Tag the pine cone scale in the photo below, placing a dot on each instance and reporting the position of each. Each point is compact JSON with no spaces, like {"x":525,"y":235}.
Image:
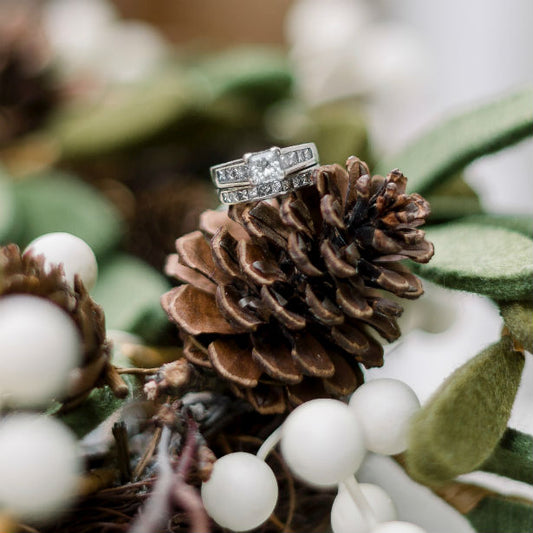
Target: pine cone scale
{"x":276,"y":360}
{"x":183,"y":311}
{"x":311,"y":357}
{"x":234,"y":362}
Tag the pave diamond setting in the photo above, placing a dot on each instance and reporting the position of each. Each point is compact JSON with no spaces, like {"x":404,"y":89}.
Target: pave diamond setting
{"x":294,"y":157}
{"x":266,"y":190}
{"x":264,"y":167}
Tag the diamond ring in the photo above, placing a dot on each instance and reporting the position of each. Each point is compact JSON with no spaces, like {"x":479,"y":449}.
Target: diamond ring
{"x":265,"y":174}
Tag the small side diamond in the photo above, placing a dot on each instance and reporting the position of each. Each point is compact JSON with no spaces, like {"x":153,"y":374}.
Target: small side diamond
{"x":302,"y":180}
{"x":276,"y":187}
{"x":264,"y":189}
{"x":252,"y":193}
{"x":296,"y":181}
{"x":241,"y":196}
{"x":221,"y":175}
{"x":290,"y":159}
{"x":236,"y":174}
{"x":307,"y":154}
{"x":286,"y":185}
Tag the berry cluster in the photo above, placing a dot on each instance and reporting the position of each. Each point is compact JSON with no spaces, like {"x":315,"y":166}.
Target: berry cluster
{"x":323,"y":442}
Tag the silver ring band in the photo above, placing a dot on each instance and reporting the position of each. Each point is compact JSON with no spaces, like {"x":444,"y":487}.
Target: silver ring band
{"x":253,"y":193}
{"x":259,"y":168}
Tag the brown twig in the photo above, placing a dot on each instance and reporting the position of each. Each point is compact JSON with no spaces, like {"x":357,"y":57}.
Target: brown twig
{"x":138,"y":371}
{"x":148,"y":453}
{"x":123,"y":452}
{"x":116,"y":383}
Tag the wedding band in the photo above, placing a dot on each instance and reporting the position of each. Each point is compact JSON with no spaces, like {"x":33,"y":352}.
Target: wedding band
{"x":253,"y":193}
{"x":265,"y":174}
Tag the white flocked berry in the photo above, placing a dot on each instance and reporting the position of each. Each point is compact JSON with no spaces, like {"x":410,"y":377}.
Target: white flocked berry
{"x":241,"y":493}
{"x":72,"y":252}
{"x":397,"y":527}
{"x":322,"y":442}
{"x":39,"y":466}
{"x":346,"y":516}
{"x":384,"y":408}
{"x":40,"y":344}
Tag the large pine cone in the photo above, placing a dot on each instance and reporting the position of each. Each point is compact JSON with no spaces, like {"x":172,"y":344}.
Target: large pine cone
{"x":26,"y":274}
{"x":282,"y":299}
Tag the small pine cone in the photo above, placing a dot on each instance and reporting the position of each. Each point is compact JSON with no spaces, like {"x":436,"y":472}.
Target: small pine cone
{"x":26,"y":274}
{"x":282,"y":298}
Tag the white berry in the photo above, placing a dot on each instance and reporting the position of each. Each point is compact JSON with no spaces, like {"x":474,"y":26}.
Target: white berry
{"x":40,"y":346}
{"x":241,"y":493}
{"x":398,"y":527}
{"x":345,"y":514}
{"x":384,"y":408}
{"x":72,"y":252}
{"x":322,"y":442}
{"x":39,"y":466}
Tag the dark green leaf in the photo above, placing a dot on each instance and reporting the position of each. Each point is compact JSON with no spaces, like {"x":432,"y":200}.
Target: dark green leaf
{"x":451,"y":145}
{"x":259,"y":74}
{"x":496,"y":514}
{"x":453,"y":199}
{"x":60,"y":202}
{"x":100,"y":404}
{"x":129,"y":290}
{"x":465,"y":419}
{"x":513,"y":457}
{"x":518,"y":317}
{"x":480,"y":258}
{"x":7,"y":208}
{"x":128,"y":116}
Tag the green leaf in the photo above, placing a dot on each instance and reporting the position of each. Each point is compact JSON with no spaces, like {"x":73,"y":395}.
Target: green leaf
{"x":521,"y":223}
{"x":260,"y":74}
{"x":480,"y":258}
{"x":513,"y":457}
{"x":451,"y":145}
{"x":497,"y":514}
{"x":128,"y":116}
{"x":453,"y":199}
{"x":7,"y":208}
{"x":465,"y":419}
{"x":518,"y":317}
{"x":56,"y":201}
{"x":129,"y":290}
{"x":100,"y":404}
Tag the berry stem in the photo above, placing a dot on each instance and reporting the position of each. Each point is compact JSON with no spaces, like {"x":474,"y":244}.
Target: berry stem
{"x":269,"y":444}
{"x":352,"y":486}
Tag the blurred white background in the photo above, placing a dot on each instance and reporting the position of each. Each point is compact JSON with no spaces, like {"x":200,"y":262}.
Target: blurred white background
{"x":415,"y":62}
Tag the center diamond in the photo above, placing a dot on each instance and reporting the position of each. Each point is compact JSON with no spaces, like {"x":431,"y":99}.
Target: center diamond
{"x":264,"y":167}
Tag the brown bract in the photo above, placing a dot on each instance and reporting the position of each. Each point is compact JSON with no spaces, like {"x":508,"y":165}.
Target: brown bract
{"x":283,"y":298}
{"x":26,"y":274}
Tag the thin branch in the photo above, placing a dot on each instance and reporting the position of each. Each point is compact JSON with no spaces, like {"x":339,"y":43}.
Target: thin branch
{"x":158,"y":507}
{"x":148,"y":453}
{"x":138,"y":371}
